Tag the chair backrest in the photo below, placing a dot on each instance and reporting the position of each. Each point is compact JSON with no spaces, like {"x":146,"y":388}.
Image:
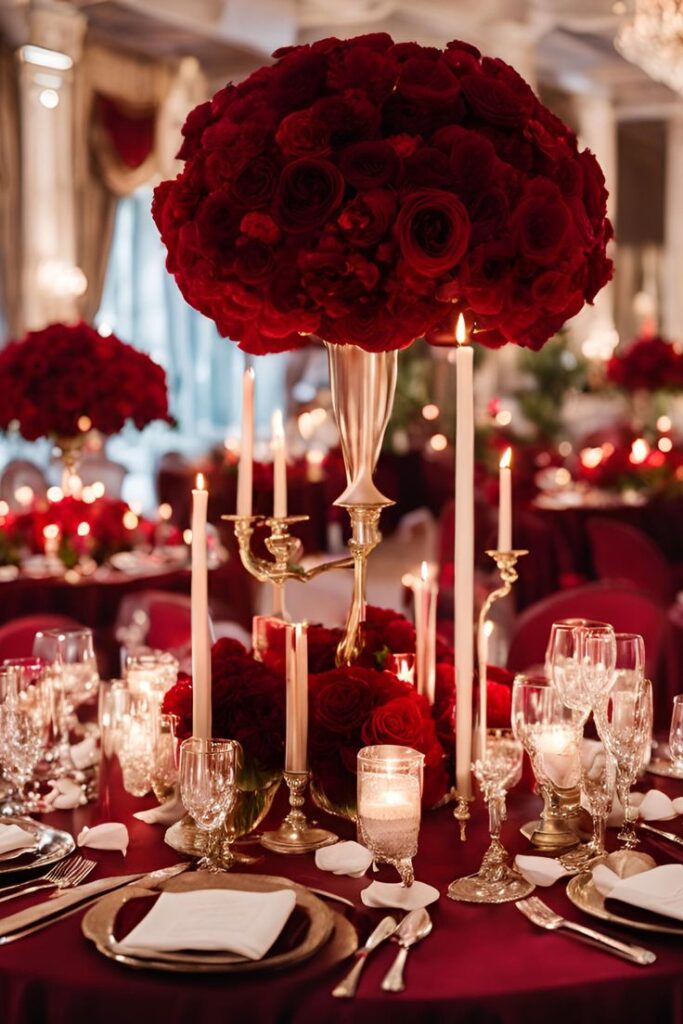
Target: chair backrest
{"x":16,"y":637}
{"x":97,"y":467}
{"x":21,"y":473}
{"x":625,"y":554}
{"x":169,"y":625}
{"x":628,"y":610}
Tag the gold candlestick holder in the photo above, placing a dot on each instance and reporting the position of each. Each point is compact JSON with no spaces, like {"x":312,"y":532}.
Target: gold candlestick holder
{"x":296,"y":834}
{"x":287,"y":551}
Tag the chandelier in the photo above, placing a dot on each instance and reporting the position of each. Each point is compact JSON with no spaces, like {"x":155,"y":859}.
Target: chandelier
{"x":652,"y":38}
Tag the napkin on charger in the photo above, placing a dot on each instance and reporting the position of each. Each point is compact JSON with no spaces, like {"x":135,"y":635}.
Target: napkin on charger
{"x":541,"y":870}
{"x":111,"y":835}
{"x":346,"y":858}
{"x":168,"y":813}
{"x":393,"y":894}
{"x":13,"y":837}
{"x":229,"y":920}
{"x":659,"y":890}
{"x":64,"y":795}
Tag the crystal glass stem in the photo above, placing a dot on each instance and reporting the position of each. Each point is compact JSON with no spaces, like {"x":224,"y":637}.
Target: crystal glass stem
{"x":627,"y":834}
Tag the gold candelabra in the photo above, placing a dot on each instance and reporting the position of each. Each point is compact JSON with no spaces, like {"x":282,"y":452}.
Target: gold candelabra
{"x":286,"y":551}
{"x":296,"y":834}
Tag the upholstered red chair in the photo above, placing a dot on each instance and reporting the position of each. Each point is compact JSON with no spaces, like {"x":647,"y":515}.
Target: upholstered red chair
{"x":624,"y":554}
{"x":16,"y":637}
{"x":629,"y":611}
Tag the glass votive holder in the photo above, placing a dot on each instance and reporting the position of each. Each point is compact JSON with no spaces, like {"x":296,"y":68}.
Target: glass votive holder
{"x":558,"y":753}
{"x":151,"y":673}
{"x":164,"y":772}
{"x":136,"y":750}
{"x":403,"y":666}
{"x":389,"y":804}
{"x":676,"y":734}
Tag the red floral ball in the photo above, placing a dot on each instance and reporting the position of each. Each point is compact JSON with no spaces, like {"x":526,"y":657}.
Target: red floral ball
{"x":55,"y":378}
{"x":367,"y":191}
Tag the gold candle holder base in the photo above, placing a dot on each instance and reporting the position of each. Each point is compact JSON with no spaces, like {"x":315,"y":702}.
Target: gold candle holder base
{"x":296,"y":834}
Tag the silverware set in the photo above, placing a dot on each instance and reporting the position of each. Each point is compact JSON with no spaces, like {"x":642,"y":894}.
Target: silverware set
{"x":416,"y":925}
{"x":65,"y":875}
{"x":540,"y":914}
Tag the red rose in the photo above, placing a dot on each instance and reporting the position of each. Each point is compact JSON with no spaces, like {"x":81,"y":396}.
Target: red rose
{"x":542,"y":223}
{"x":398,"y":721}
{"x":309,"y":191}
{"x":370,"y":165}
{"x":254,"y":186}
{"x":261,"y":226}
{"x":428,"y":81}
{"x":367,"y":218}
{"x":341,"y":700}
{"x":433,"y":230}
{"x":300,"y":134}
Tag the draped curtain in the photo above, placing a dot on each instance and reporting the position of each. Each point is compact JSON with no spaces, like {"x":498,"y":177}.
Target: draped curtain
{"x":10,"y":227}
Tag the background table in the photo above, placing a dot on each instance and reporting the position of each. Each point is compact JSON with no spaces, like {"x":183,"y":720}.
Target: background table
{"x":481,"y":965}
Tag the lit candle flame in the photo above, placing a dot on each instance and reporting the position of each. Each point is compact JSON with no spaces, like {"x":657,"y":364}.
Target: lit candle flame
{"x":506,"y":459}
{"x":199,"y":483}
{"x":461,"y":330}
{"x":640,"y":450}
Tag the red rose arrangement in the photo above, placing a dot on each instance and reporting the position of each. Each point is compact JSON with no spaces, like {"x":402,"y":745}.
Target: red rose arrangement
{"x":630,"y":462}
{"x":349,"y":709}
{"x":367,"y":191}
{"x":649,"y":363}
{"x":97,"y":530}
{"x":64,"y":374}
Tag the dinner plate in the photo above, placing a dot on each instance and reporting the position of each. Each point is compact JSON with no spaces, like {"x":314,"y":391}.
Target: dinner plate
{"x":584,"y":895}
{"x":51,"y":845}
{"x":310,"y":928}
{"x":663,"y":766}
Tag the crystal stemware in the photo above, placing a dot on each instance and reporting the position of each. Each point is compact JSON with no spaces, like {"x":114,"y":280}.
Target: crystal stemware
{"x":563,"y":661}
{"x":624,"y":721}
{"x":164,"y":770}
{"x":497,"y":771}
{"x":598,"y":657}
{"x":550,"y":733}
{"x":676,"y":734}
{"x":598,"y":778}
{"x":208,"y":788}
{"x":389,"y":804}
{"x":24,"y":729}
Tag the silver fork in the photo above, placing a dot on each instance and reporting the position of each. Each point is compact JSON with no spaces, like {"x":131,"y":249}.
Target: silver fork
{"x":64,"y":875}
{"x":539,"y":913}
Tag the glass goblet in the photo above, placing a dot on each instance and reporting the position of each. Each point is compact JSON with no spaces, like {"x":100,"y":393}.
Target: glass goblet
{"x":164,"y":771}
{"x":208,"y":788}
{"x":389,"y":804}
{"x":563,"y":661}
{"x":676,"y":734}
{"x":23,"y":740}
{"x":135,"y":750}
{"x":598,"y":778}
{"x":598,"y":656}
{"x":550,"y":733}
{"x":499,"y":769}
{"x":624,"y":720}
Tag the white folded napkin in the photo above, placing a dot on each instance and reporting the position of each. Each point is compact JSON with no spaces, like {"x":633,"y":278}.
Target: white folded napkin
{"x":393,"y":894}
{"x":540,"y":870}
{"x":13,"y":837}
{"x":246,"y":923}
{"x":651,"y":806}
{"x":85,"y":754}
{"x":111,"y":835}
{"x":344,"y":859}
{"x":65,"y":794}
{"x":168,"y":813}
{"x":659,"y":890}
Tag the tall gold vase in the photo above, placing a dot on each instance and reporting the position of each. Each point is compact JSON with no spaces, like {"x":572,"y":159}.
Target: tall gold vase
{"x":363,"y":386}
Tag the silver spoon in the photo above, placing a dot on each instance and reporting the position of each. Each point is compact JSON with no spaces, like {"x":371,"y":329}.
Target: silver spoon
{"x":415,"y":926}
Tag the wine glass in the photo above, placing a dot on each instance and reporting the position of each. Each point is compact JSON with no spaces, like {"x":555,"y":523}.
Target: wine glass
{"x":598,"y":656}
{"x":550,"y":733}
{"x":563,"y":661}
{"x":208,"y":788}
{"x":676,"y":734}
{"x":24,"y":726}
{"x":164,"y":770}
{"x":497,"y":771}
{"x":598,"y":778}
{"x":624,"y":721}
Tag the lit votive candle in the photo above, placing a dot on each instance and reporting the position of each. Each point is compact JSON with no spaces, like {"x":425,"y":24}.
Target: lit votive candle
{"x":389,"y":794}
{"x":558,"y":749}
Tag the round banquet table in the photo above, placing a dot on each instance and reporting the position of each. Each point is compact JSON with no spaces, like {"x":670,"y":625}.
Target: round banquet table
{"x":481,"y":964}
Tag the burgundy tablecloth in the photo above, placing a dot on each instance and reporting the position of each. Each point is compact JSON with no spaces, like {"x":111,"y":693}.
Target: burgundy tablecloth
{"x":481,"y":965}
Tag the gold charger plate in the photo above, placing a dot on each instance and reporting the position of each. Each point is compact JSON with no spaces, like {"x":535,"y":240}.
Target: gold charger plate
{"x":51,"y":846}
{"x":583,"y":894}
{"x":99,"y":923}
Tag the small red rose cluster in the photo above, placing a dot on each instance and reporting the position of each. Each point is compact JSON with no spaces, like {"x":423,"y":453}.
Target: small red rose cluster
{"x":97,"y":529}
{"x":65,"y":373}
{"x":366,"y":190}
{"x":650,"y":364}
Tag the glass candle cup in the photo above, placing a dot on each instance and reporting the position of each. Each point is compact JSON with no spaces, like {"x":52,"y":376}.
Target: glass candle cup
{"x":389,"y":804}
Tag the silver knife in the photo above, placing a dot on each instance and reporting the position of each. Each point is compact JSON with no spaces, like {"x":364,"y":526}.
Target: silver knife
{"x":660,"y":832}
{"x":16,"y":926}
{"x":346,"y":989}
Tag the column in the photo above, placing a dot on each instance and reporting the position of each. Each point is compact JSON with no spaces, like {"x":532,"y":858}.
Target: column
{"x":673,"y":232}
